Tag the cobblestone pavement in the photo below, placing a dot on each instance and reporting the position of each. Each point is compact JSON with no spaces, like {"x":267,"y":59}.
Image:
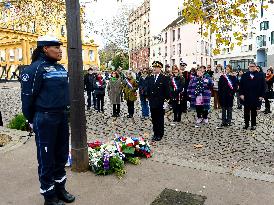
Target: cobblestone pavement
{"x":230,"y":148}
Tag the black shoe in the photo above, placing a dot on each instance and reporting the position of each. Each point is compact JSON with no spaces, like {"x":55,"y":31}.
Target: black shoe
{"x":156,"y":139}
{"x":239,"y":107}
{"x":253,"y":128}
{"x":65,"y":196}
{"x":88,"y":108}
{"x":229,"y":124}
{"x":245,"y":127}
{"x":53,"y":201}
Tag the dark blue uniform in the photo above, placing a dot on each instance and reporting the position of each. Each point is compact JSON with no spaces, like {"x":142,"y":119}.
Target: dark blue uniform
{"x":45,"y":98}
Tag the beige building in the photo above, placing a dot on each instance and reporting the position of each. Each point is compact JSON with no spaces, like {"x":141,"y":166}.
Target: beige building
{"x":17,"y":43}
{"x":146,"y":22}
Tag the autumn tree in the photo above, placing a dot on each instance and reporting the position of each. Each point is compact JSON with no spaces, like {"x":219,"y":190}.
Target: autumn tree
{"x":219,"y":17}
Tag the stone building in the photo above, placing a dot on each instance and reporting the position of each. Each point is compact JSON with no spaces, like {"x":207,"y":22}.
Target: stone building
{"x":18,"y":42}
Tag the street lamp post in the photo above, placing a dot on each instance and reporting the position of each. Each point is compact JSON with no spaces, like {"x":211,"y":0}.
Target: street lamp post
{"x":79,"y":148}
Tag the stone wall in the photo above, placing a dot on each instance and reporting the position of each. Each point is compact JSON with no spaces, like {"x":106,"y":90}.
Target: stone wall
{"x":10,"y":100}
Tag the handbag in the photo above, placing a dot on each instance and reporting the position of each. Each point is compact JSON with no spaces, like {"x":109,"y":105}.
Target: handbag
{"x":199,"y":100}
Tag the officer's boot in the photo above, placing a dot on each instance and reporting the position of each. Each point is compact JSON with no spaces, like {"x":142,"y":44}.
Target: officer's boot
{"x":65,"y":196}
{"x":53,"y":201}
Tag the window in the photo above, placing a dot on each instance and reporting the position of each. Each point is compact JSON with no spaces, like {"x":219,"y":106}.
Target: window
{"x":174,"y":50}
{"x":173,"y":34}
{"x":166,"y":37}
{"x":160,"y":51}
{"x":145,"y":31}
{"x":173,"y":61}
{"x":166,"y":51}
{"x":179,"y":33}
{"x":91,"y":55}
{"x":264,"y":25}
{"x":62,"y":30}
{"x":202,"y":61}
{"x":3,"y":55}
{"x":20,"y":54}
{"x":272,"y":37}
{"x":250,"y":47}
{"x":153,"y":54}
{"x":261,"y":40}
{"x":180,"y":48}
{"x":12,"y":55}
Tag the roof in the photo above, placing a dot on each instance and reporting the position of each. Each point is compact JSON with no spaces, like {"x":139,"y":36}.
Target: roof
{"x":180,"y":20}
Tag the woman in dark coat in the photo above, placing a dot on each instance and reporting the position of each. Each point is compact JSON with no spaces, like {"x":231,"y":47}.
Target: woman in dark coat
{"x":227,"y":87}
{"x":99,"y":86}
{"x":177,"y":84}
{"x":143,"y":86}
{"x":269,"y":90}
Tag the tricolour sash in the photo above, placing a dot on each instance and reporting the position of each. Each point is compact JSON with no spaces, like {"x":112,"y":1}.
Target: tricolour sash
{"x":228,"y":82}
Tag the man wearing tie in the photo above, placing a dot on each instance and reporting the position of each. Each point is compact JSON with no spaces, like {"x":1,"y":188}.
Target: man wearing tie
{"x":158,"y":92}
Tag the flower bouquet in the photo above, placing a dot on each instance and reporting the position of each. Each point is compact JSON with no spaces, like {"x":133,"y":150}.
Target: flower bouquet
{"x":110,"y":157}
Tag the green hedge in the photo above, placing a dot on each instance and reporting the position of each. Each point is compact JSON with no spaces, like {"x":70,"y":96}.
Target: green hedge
{"x":18,"y":123}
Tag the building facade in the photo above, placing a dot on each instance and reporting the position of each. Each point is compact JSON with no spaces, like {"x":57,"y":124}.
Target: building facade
{"x":265,"y":37}
{"x":257,"y":45}
{"x":145,"y":23}
{"x":18,"y":42}
{"x":139,"y":36}
{"x":184,"y":42}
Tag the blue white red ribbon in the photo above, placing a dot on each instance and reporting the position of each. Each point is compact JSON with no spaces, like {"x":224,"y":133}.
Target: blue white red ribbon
{"x":228,"y":82}
{"x":129,"y":84}
{"x":174,"y":84}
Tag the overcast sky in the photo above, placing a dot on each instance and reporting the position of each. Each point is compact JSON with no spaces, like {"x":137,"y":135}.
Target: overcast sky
{"x":106,"y":9}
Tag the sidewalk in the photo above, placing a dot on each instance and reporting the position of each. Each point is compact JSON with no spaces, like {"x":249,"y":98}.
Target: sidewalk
{"x":141,"y":185}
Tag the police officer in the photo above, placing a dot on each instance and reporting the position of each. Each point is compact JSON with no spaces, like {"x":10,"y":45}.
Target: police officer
{"x":45,"y":99}
{"x":158,"y":92}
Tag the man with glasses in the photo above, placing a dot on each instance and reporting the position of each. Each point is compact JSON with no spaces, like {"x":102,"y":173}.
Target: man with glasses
{"x":209,"y":71}
{"x":252,"y":90}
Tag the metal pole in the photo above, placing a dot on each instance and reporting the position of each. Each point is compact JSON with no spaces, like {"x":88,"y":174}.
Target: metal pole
{"x":79,"y":148}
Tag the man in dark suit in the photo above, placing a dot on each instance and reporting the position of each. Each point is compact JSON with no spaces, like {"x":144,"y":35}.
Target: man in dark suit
{"x":158,"y":92}
{"x":252,"y":91}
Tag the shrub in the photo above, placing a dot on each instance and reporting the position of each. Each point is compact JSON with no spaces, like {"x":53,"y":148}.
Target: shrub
{"x":18,"y":123}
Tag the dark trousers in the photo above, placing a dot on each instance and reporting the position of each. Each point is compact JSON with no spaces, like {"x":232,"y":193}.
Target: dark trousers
{"x":184,"y":103}
{"x":157,"y":115}
{"x":201,"y":112}
{"x":100,"y":102}
{"x":177,"y":110}
{"x":1,"y":120}
{"x":116,"y":109}
{"x":89,"y":94}
{"x":130,"y":107}
{"x":226,"y":115}
{"x":52,"y":141}
{"x":253,"y":112}
{"x":267,"y":104}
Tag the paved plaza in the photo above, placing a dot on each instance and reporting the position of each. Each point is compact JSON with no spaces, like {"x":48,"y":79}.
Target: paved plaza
{"x":231,"y":150}
{"x":227,"y":166}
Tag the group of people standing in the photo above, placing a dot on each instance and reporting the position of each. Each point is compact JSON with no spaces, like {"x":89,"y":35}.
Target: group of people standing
{"x":176,"y":87}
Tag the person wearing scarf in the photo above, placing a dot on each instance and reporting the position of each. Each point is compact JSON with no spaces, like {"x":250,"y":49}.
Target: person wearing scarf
{"x":252,"y":92}
{"x":269,"y":90}
{"x":177,"y":83}
{"x":114,"y":92}
{"x":130,"y":87}
{"x":227,"y":87}
{"x":199,"y":91}
{"x":99,"y":91}
{"x":143,"y":83}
